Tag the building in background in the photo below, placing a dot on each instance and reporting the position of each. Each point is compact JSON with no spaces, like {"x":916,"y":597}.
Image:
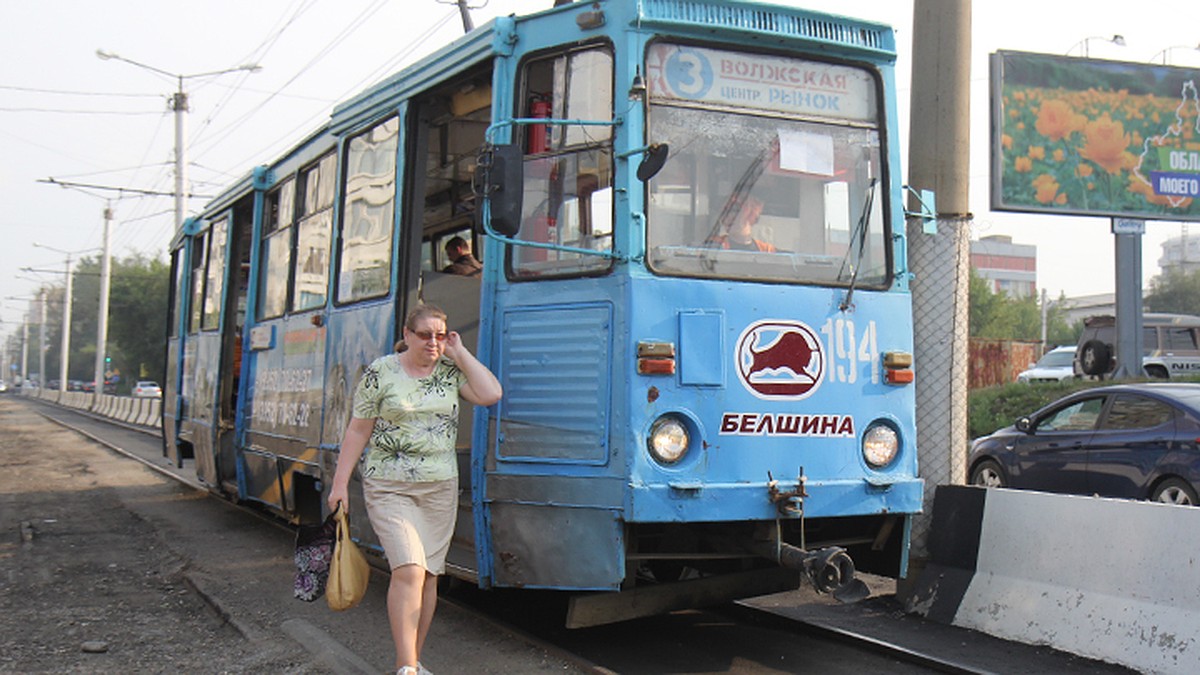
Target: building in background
{"x":1008,"y":268}
{"x":1181,"y":254}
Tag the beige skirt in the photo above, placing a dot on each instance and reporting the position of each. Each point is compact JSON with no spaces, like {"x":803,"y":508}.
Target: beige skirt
{"x":414,"y":521}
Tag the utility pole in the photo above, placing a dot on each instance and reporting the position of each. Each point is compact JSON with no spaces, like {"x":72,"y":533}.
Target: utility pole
{"x":938,"y":159}
{"x":179,"y":104}
{"x":42,"y":380}
{"x":465,"y":12}
{"x":64,"y":362}
{"x":102,"y":316}
{"x":1045,"y":318}
{"x":24,"y":350}
{"x":65,"y":358}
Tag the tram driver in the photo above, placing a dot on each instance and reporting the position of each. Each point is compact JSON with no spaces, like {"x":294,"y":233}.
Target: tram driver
{"x":739,"y":236}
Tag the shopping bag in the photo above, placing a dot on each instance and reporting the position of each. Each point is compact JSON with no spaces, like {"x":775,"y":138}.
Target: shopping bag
{"x":314,"y":552}
{"x":349,"y":571}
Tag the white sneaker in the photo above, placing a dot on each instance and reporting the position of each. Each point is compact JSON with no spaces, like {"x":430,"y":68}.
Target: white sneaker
{"x":422,"y":670}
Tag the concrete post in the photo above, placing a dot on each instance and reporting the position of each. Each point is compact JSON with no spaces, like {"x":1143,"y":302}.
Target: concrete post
{"x":939,"y":143}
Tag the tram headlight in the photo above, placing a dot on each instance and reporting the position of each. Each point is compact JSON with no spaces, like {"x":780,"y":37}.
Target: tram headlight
{"x":880,"y":445}
{"x":669,"y":439}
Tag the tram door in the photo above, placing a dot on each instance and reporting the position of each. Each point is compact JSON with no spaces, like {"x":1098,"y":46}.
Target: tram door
{"x":448,"y":128}
{"x":229,"y":376}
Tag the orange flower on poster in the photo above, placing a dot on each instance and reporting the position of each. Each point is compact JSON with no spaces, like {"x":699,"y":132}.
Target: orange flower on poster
{"x":1047,"y":188}
{"x":1056,"y":120}
{"x":1105,"y":143}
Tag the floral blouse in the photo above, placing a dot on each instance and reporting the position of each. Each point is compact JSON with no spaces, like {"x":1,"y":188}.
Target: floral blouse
{"x":416,"y":420}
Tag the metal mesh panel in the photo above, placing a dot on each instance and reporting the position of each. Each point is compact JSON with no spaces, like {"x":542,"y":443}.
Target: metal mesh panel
{"x":940,"y":264}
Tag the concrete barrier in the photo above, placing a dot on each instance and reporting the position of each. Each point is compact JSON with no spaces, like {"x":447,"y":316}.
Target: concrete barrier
{"x":139,"y":411}
{"x":128,"y":409}
{"x":1103,"y":578}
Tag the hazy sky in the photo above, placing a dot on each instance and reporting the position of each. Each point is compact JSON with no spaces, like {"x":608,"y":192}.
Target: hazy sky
{"x":66,"y":114}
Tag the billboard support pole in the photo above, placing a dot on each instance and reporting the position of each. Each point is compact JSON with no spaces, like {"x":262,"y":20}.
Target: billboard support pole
{"x":1127,"y":234}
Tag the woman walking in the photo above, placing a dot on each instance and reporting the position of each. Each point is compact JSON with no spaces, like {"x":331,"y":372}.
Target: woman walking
{"x":405,"y":417}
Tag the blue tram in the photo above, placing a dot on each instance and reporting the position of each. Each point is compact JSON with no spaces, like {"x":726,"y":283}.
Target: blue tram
{"x":694,"y":292}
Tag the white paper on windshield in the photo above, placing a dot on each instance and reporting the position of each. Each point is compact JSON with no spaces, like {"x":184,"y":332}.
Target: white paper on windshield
{"x":806,"y":152}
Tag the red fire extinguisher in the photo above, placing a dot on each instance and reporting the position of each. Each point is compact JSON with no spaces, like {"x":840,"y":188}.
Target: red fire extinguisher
{"x":538,"y":139}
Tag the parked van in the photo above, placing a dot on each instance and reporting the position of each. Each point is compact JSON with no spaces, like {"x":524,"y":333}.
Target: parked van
{"x":1170,"y":345}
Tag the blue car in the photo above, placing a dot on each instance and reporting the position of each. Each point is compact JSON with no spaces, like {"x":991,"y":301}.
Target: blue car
{"x":1135,"y":441}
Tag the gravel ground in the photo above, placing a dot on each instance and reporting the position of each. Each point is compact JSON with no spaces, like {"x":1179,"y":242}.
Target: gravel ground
{"x":87,"y":585}
{"x":109,"y":567}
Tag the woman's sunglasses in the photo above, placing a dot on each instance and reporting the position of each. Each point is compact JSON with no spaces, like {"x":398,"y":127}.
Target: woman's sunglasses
{"x":428,"y":335}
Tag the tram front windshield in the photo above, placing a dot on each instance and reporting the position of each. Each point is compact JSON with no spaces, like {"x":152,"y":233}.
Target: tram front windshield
{"x":774,"y":171}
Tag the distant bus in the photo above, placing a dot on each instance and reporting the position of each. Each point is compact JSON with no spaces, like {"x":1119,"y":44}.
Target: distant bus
{"x":694,"y":292}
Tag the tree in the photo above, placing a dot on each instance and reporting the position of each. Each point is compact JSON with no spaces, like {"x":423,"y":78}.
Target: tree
{"x":137,"y":319}
{"x":999,"y":317}
{"x":1174,"y":291}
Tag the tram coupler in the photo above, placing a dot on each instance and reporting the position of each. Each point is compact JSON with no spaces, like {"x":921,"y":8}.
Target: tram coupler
{"x":829,"y":570}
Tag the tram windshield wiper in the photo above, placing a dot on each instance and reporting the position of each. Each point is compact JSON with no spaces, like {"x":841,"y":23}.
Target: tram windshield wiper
{"x":859,"y":235}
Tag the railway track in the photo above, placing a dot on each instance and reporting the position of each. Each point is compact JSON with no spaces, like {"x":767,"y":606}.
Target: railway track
{"x":751,"y":639}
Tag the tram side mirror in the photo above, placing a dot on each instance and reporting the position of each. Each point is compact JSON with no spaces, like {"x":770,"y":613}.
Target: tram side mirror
{"x":653,"y":160}
{"x":503,"y":185}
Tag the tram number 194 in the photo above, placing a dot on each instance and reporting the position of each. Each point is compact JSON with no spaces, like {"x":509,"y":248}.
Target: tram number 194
{"x":850,"y":351}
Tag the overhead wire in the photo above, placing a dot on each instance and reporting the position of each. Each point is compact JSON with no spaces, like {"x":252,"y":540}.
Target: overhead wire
{"x":288,"y":137}
{"x":356,"y":23}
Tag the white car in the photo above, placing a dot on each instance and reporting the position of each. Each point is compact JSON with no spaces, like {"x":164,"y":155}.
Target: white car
{"x":1055,"y":366}
{"x":147,"y":389}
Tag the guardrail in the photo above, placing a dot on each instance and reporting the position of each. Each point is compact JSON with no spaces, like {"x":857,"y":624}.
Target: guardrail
{"x":1111,"y":579}
{"x":142,"y":412}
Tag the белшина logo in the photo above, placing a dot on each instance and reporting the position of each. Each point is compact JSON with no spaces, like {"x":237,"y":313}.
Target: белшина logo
{"x":780,"y":359}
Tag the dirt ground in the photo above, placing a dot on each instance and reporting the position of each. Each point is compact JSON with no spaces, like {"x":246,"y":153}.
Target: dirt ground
{"x":108,"y":567}
{"x":86,"y":584}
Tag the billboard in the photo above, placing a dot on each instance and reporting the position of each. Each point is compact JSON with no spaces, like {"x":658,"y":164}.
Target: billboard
{"x":1086,"y":137}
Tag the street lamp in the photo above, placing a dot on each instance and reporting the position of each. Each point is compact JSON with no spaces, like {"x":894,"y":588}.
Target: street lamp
{"x":178,"y":104}
{"x":1118,"y":40}
{"x":1166,"y":52}
{"x":66,"y":321}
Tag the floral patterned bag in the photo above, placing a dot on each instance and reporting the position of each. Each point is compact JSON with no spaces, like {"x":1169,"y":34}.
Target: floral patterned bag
{"x":314,"y":551}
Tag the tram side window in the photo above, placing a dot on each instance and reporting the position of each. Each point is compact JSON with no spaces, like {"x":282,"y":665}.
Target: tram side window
{"x":217,"y":240}
{"x":313,"y":231}
{"x":568,"y":168}
{"x":178,"y":277}
{"x":367,"y":217}
{"x":276,"y":250}
{"x":199,"y":261}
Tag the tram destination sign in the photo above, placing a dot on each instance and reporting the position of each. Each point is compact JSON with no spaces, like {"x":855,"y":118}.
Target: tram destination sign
{"x":762,"y":82}
{"x":1078,"y":136}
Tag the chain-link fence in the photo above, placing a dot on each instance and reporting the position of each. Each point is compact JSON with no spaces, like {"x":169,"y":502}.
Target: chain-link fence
{"x":940,"y":264}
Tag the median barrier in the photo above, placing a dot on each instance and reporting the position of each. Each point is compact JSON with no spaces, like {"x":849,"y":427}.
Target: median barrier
{"x":1108,"y":579}
{"x":140,"y":409}
{"x":149,"y":405}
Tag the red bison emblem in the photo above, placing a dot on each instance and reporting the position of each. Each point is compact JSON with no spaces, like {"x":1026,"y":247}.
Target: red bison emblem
{"x":780,"y":359}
